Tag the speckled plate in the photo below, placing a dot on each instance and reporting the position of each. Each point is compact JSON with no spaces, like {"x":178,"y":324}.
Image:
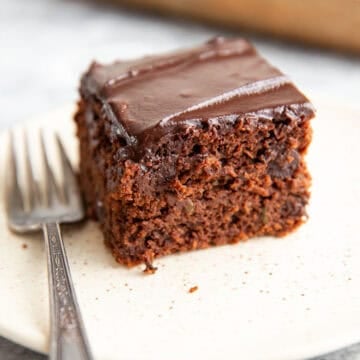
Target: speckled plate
{"x":267,"y":298}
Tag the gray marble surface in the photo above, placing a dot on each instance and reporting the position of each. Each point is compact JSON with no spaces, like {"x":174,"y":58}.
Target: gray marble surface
{"x":46,"y":44}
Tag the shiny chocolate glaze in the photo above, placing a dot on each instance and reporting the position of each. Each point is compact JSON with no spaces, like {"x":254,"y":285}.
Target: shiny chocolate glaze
{"x":220,"y":80}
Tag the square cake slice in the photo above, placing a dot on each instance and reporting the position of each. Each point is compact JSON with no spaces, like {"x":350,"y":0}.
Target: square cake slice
{"x":191,"y":149}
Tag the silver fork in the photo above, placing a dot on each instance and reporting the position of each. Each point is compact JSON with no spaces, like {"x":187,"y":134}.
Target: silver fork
{"x":37,"y":208}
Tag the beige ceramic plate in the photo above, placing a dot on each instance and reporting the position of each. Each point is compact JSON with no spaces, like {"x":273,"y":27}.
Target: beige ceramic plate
{"x":264,"y":299}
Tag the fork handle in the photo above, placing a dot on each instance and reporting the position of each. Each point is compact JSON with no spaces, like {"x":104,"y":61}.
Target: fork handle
{"x":68,"y":339}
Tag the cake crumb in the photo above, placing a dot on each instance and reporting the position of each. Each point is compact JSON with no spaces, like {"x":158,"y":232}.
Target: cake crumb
{"x":24,"y":246}
{"x":193,"y":289}
{"x":148,"y":260}
{"x":149,"y":269}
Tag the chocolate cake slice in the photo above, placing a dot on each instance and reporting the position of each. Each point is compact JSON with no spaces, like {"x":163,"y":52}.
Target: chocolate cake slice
{"x":191,"y":149}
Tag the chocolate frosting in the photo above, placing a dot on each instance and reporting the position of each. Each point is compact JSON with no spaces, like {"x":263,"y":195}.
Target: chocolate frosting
{"x":221,"y":78}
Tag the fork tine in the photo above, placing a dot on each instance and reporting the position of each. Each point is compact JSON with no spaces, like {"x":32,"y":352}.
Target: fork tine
{"x":52,"y":194}
{"x":34,"y":190}
{"x":71,"y":189}
{"x":13,"y":195}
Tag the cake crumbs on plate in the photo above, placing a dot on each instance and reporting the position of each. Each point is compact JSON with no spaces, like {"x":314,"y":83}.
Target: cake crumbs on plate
{"x":193,"y":289}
